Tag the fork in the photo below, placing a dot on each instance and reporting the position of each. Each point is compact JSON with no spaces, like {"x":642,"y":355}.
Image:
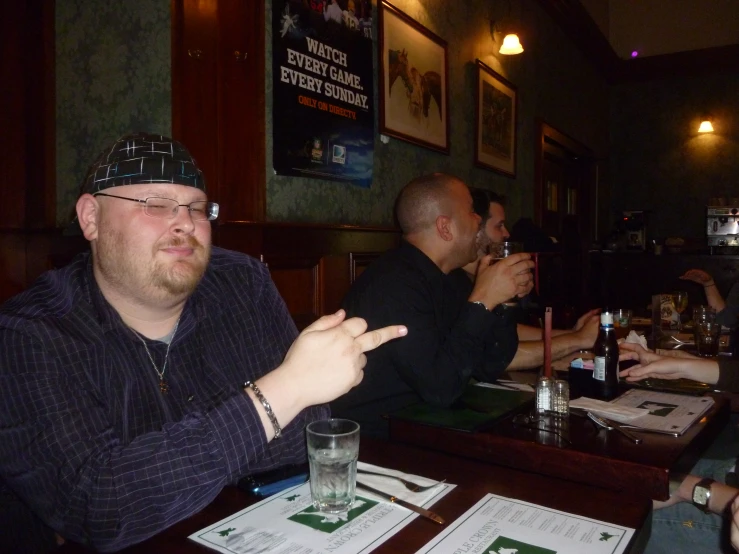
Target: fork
{"x":410,"y":485}
{"x":610,"y":426}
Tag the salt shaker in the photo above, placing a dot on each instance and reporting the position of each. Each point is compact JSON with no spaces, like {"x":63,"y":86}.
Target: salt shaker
{"x":544,"y":393}
{"x":561,"y":398}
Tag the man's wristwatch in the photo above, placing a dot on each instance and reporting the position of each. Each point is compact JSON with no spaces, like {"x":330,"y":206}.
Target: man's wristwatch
{"x":702,"y":494}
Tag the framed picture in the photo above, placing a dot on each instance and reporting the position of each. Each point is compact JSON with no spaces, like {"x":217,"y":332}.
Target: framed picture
{"x":495,"y":121}
{"x":414,"y":100}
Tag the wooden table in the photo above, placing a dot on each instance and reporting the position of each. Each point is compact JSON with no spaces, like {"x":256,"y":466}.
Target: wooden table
{"x":474,"y":480}
{"x":595,"y":457}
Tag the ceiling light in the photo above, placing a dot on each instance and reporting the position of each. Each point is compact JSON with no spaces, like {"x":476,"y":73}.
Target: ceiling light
{"x":706,"y":126}
{"x":511,"y":45}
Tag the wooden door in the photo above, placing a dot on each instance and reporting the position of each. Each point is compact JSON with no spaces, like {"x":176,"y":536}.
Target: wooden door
{"x":565,"y":194}
{"x":565,"y":187}
{"x":218,"y":99}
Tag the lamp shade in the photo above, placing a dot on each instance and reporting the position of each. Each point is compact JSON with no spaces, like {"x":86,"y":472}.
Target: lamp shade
{"x":511,"y":45}
{"x":706,"y":126}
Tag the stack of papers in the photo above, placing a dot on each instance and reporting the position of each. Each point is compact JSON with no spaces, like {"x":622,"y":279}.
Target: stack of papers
{"x":623,"y":414}
{"x":668,"y":413}
{"x":646,"y":409}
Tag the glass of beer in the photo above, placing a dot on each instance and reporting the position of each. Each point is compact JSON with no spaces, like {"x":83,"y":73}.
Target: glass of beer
{"x":707,"y":337}
{"x":333,"y":450}
{"x":500,"y":250}
{"x":622,"y":323}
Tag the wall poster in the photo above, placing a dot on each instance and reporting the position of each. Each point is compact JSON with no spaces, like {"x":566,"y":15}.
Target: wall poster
{"x":323,"y":103}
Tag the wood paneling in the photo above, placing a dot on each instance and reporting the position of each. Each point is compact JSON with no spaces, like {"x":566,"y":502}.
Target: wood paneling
{"x":27,"y":137}
{"x":218,"y":99}
{"x":195,"y":82}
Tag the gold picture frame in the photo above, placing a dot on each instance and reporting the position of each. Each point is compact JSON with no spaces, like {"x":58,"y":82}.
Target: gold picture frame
{"x":413,"y":84}
{"x":496,"y":115}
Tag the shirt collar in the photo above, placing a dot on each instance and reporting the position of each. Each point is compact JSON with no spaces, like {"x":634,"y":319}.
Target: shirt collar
{"x":200,"y":304}
{"x":425,"y":264}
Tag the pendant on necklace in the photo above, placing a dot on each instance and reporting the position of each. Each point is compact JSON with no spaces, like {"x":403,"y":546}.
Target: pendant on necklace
{"x":163,"y":386}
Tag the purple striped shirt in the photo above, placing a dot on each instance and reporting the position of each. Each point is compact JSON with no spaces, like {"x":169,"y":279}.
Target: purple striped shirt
{"x":87,"y":439}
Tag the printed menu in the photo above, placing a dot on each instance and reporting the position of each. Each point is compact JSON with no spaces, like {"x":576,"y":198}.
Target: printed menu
{"x":499,"y":525}
{"x":288,"y":523}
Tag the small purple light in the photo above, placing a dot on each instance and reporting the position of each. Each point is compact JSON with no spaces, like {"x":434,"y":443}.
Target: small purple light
{"x":634,"y":54}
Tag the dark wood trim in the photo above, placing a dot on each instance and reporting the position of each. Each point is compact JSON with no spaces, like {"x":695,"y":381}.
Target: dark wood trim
{"x":28,"y":171}
{"x":546,"y":134}
{"x":297,"y":240}
{"x":577,"y":24}
{"x":680,"y":64}
{"x":241,"y":110}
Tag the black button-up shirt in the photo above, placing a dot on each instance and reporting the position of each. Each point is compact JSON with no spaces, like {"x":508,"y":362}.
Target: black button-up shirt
{"x":89,"y":442}
{"x":449,"y":338}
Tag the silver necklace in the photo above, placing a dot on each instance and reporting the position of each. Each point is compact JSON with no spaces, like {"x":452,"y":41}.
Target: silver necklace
{"x":163,"y":386}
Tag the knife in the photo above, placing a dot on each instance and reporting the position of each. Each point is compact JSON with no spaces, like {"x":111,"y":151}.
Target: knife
{"x":423,"y":511}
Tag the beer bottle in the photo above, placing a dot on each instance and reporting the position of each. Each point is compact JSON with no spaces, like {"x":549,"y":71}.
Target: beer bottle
{"x":605,"y":370}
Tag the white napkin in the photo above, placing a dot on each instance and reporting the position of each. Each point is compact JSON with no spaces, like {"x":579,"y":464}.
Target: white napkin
{"x":634,"y":338}
{"x":395,"y":487}
{"x":623,"y":414}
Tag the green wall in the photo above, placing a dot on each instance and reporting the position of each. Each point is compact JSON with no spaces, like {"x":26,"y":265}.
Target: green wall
{"x":660,"y":163}
{"x":113,"y":67}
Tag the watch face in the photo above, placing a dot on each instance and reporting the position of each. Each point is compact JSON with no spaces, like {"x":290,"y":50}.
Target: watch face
{"x":701,"y":495}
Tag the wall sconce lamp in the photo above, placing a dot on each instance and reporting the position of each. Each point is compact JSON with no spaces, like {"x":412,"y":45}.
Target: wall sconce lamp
{"x":511,"y":45}
{"x":706,"y":125}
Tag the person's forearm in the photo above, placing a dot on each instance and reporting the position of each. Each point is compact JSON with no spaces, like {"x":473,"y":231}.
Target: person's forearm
{"x":530,"y":354}
{"x":721,"y":495}
{"x":706,"y":371}
{"x":529,"y":332}
{"x":713,"y":297}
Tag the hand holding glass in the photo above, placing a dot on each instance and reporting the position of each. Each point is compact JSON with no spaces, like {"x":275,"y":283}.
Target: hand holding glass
{"x":500,"y":250}
{"x":333,"y":449}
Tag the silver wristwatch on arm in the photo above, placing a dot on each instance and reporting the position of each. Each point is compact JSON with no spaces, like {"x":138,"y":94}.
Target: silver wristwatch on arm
{"x":702,"y":494}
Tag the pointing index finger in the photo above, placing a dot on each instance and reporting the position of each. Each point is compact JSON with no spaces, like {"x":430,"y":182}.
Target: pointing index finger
{"x":372,"y":339}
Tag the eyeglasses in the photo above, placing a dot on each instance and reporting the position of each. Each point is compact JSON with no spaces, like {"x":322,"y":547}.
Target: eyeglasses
{"x":167,"y":208}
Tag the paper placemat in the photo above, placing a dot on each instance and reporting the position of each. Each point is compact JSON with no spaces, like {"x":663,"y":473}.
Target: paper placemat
{"x":288,"y":522}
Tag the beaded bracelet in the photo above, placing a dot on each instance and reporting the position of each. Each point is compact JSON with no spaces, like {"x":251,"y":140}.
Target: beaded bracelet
{"x":267,"y":407}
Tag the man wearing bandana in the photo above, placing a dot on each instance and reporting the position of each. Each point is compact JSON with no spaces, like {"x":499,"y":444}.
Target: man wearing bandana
{"x":142,"y":378}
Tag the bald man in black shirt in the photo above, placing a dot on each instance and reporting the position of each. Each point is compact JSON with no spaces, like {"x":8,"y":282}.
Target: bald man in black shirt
{"x":453,"y":334}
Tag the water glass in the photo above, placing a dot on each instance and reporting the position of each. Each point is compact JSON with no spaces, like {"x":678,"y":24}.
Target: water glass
{"x":333,"y":449}
{"x":707,"y":337}
{"x":622,"y":323}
